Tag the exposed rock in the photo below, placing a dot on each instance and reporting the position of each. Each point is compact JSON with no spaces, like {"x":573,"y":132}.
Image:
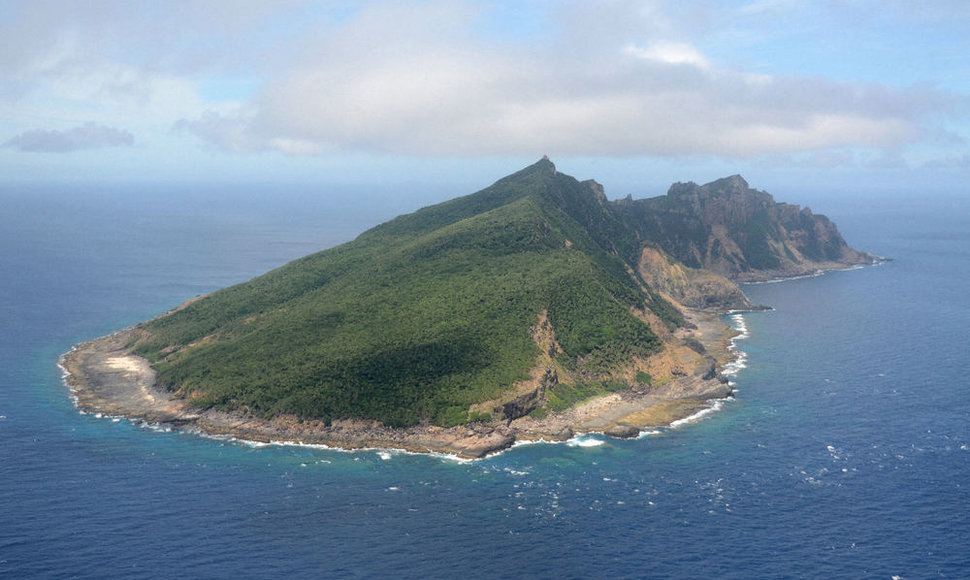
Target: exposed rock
{"x":689,"y":287}
{"x":741,"y":233}
{"x":622,"y":432}
{"x":480,"y":444}
{"x":521,"y":405}
{"x":711,"y":370}
{"x":565,"y":434}
{"x":528,"y":402}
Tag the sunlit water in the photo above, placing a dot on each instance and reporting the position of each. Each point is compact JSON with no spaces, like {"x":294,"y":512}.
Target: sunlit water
{"x":845,"y":454}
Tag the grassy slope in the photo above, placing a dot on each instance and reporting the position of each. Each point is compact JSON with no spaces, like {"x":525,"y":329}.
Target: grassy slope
{"x":419,"y":317}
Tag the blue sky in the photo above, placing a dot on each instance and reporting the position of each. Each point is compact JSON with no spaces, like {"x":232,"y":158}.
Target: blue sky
{"x":856,"y":94}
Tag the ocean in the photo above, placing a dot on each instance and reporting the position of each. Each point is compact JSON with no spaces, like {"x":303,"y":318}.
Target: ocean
{"x":844,"y":454}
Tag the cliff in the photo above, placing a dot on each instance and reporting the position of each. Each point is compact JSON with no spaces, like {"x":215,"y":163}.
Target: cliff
{"x":741,"y":233}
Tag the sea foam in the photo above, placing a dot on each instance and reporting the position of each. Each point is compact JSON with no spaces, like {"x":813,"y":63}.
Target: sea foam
{"x":740,"y":357}
{"x":713,"y":407}
{"x":585,"y":441}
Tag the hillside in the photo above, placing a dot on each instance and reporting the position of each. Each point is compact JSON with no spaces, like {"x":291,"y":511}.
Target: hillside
{"x":425,"y":315}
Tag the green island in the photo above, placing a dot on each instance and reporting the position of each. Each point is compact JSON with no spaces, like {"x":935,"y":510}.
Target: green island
{"x":533,"y":309}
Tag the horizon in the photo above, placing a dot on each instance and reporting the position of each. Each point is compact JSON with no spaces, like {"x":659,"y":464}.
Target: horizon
{"x":790,"y":94}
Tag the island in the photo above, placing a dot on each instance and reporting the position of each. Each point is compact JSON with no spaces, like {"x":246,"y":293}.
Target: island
{"x":534,"y":309}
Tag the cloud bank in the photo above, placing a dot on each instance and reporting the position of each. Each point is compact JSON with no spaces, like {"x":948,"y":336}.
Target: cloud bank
{"x":88,"y":136}
{"x":389,"y":80}
{"x":626,"y":78}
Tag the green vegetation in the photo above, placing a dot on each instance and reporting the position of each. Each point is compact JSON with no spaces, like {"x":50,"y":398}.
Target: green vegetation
{"x":754,"y":238}
{"x":432,"y":312}
{"x":539,"y":413}
{"x":564,"y":396}
{"x":423,"y":316}
{"x":484,"y":417}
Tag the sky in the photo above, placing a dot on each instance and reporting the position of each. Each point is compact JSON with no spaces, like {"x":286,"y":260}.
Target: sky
{"x":852,"y":94}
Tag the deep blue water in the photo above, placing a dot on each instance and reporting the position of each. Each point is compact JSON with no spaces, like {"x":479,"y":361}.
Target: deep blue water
{"x":846,"y":453}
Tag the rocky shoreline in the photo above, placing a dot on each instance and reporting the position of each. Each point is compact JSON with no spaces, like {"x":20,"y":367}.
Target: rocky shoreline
{"x":106,"y":378}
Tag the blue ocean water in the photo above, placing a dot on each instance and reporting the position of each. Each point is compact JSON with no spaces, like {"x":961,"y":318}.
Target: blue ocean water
{"x":845,"y":454}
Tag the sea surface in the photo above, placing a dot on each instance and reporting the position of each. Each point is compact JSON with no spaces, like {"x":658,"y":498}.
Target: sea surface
{"x":845,"y":453}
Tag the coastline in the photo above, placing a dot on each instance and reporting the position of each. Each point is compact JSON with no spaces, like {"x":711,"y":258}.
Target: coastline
{"x":864,"y":260}
{"x":105,"y":378}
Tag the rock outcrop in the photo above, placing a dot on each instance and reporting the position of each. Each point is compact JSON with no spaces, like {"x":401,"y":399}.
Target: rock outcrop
{"x":690,"y":287}
{"x":743,"y":234}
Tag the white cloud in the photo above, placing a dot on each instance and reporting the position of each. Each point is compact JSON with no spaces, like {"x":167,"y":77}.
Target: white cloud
{"x":88,"y":136}
{"x":670,"y":53}
{"x":230,"y":133}
{"x":389,"y":80}
{"x":625,"y":78}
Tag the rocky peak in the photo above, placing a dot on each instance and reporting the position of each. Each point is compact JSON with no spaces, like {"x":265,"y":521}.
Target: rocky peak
{"x":726,"y":186}
{"x":598,"y":191}
{"x":681,"y":189}
{"x":732,"y":184}
{"x":545,"y":164}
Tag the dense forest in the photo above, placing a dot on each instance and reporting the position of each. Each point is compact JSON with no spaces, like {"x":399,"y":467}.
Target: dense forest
{"x":432,"y":312}
{"x":422,"y":316}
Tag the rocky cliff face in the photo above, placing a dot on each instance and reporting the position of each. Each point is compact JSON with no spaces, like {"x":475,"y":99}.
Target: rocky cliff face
{"x":738,"y":232}
{"x":690,"y":287}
